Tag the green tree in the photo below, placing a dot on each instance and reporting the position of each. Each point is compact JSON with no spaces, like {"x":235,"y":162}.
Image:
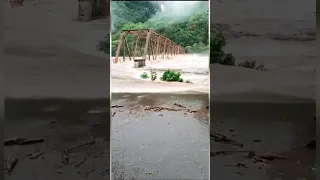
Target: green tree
{"x":190,"y":31}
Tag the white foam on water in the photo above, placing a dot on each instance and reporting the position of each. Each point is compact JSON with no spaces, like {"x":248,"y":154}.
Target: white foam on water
{"x":193,"y":68}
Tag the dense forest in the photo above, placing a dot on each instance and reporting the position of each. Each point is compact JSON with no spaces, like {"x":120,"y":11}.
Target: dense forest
{"x":188,"y":28}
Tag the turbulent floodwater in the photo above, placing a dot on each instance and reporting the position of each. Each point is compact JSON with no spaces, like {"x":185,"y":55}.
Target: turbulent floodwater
{"x":193,"y":68}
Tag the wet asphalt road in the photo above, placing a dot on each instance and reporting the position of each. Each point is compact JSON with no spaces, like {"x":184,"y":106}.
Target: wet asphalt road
{"x":159,"y":145}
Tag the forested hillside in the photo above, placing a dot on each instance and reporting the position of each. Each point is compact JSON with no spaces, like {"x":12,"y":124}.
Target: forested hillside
{"x":187,"y":26}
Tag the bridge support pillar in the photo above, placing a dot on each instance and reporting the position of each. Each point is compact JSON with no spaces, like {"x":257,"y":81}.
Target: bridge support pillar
{"x":145,"y":52}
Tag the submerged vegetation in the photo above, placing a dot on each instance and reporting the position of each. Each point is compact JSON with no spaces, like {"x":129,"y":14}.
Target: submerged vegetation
{"x":217,"y":54}
{"x":144,"y":75}
{"x":168,"y":75}
{"x":153,"y":74}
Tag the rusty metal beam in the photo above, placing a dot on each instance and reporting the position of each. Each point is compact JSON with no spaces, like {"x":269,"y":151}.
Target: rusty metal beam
{"x":155,"y":44}
{"x":147,"y":45}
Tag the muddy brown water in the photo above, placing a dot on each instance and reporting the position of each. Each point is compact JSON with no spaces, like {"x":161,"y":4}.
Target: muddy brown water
{"x":159,"y":145}
{"x":280,"y":128}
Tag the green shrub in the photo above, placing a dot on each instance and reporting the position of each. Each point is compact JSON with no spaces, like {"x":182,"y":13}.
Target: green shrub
{"x":144,"y":75}
{"x":171,"y":75}
{"x":217,"y":54}
{"x":217,"y":43}
{"x":153,"y":73}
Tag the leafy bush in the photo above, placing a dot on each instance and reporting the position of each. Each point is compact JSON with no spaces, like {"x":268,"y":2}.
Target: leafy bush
{"x":153,"y":73}
{"x":217,"y":43}
{"x":144,"y":75}
{"x":171,"y":75}
{"x":217,"y":55}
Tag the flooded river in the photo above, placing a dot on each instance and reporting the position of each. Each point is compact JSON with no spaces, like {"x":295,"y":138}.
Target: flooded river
{"x":194,"y":69}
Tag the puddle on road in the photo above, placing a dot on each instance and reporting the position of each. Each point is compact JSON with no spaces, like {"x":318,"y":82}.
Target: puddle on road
{"x":159,"y":145}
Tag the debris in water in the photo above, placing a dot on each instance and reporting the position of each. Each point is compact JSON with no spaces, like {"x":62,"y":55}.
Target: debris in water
{"x":104,"y":172}
{"x":22,"y":141}
{"x":241,"y":165}
{"x":86,"y":174}
{"x":311,"y":144}
{"x":258,"y":157}
{"x":222,"y":138}
{"x":269,"y":156}
{"x":65,"y":158}
{"x":94,"y":111}
{"x":179,"y":105}
{"x":240,"y":173}
{"x":59,"y":171}
{"x":191,"y":111}
{"x":113,"y":114}
{"x":35,"y":155}
{"x":263,"y":157}
{"x":11,"y":164}
{"x":157,"y":109}
{"x":216,"y":153}
{"x":80,"y":145}
{"x":116,"y":106}
{"x":81,"y":162}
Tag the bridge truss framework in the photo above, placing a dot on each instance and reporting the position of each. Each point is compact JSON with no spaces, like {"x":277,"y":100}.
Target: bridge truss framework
{"x":155,"y":45}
